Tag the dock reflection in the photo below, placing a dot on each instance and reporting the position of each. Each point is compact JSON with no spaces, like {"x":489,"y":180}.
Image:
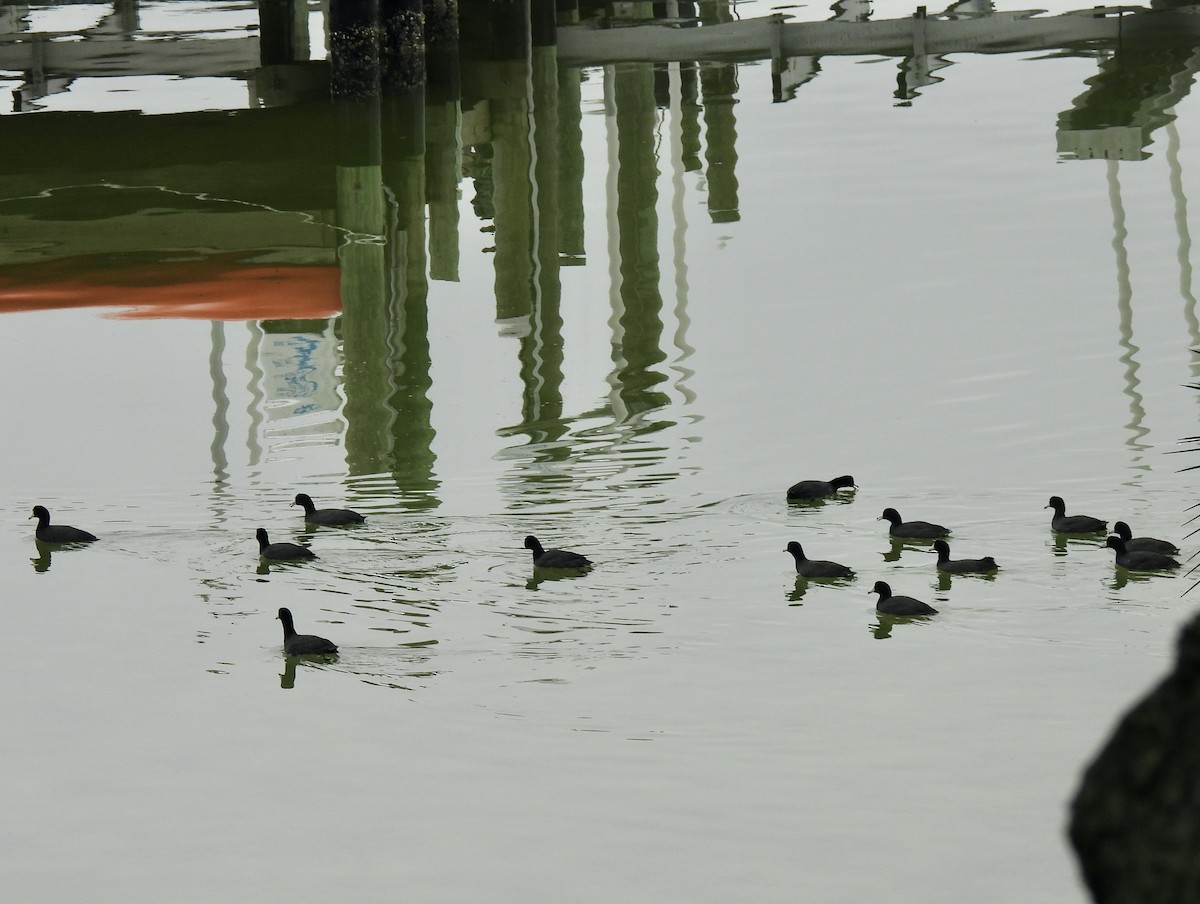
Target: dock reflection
{"x":322,"y":210}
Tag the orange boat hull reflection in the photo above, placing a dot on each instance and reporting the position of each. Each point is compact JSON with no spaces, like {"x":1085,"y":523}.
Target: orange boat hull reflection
{"x":220,"y":287}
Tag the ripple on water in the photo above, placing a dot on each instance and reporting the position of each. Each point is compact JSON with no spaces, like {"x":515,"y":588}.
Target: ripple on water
{"x":405,"y":667}
{"x":775,"y":506}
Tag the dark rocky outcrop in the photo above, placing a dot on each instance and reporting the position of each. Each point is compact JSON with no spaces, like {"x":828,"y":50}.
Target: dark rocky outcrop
{"x":1135,"y":821}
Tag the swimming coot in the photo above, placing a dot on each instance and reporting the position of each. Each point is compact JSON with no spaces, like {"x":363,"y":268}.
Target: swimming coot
{"x":1143,"y":544}
{"x":302,"y":644}
{"x":1139,"y":560}
{"x":281,"y":552}
{"x":815,"y":489}
{"x":961,"y":566}
{"x":314,"y":515}
{"x":816,"y":568}
{"x":921,"y":530}
{"x":555,"y":558}
{"x":57,"y":533}
{"x":1073,"y":524}
{"x":899,"y":605}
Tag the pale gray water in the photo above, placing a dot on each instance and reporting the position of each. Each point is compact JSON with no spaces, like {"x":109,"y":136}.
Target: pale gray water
{"x":928,"y":297}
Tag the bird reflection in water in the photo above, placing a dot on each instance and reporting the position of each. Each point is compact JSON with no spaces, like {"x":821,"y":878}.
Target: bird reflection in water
{"x":1064,"y":542}
{"x":540,"y":575}
{"x":899,"y":544}
{"x":41,"y":562}
{"x":882,"y":630}
{"x":796,"y":597}
{"x":287,"y":678}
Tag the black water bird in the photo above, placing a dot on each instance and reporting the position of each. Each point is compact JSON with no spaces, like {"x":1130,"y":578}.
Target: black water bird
{"x":281,"y":552}
{"x":329,"y":516}
{"x":555,"y":558}
{"x":815,"y":489}
{"x":816,"y":568}
{"x":961,"y":566}
{"x":1139,"y":560}
{"x":57,"y":533}
{"x":1073,"y":524}
{"x":302,"y":644}
{"x":899,"y":605}
{"x":1143,"y":544}
{"x":919,"y":530}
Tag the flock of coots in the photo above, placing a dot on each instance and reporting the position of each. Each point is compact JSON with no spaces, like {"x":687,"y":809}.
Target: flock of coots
{"x":304,"y":644}
{"x":1132,"y":553}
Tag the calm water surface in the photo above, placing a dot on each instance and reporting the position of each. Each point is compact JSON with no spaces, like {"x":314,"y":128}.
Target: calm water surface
{"x":925,"y":292}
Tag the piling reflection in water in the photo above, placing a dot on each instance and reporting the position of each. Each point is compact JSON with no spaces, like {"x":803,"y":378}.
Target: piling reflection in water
{"x":384,"y":325}
{"x":1127,"y":101}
